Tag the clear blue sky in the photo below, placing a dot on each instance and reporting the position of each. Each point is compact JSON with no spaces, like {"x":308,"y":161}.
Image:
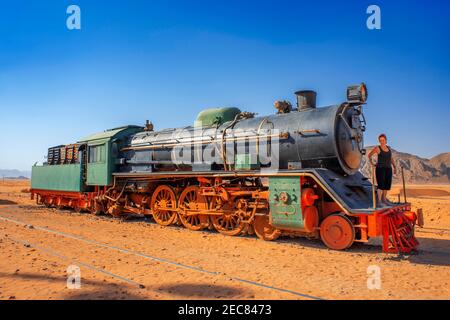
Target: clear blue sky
{"x":167,"y":60}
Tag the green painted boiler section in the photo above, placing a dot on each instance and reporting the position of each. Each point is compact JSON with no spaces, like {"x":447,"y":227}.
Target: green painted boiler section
{"x":65,"y":177}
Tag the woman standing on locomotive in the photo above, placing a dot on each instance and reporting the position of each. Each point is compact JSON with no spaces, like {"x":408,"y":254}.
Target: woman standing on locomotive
{"x":384,"y":167}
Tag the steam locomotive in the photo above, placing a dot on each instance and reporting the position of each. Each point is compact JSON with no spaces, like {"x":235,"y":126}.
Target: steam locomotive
{"x":294,"y":173}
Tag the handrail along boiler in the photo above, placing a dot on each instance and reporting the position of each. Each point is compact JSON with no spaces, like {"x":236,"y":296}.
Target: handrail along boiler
{"x":295,"y":172}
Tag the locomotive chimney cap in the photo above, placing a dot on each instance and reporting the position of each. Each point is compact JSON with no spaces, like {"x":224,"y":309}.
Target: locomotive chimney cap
{"x":306,"y":99}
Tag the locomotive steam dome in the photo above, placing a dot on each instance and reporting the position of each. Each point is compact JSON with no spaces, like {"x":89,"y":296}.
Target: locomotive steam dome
{"x":214,"y":116}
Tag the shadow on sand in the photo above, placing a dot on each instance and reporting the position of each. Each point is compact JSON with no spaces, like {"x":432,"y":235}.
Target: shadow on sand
{"x":96,"y":289}
{"x":6,"y":202}
{"x":192,"y":290}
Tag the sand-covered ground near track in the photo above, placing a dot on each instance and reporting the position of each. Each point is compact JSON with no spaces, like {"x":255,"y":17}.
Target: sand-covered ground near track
{"x":138,"y":259}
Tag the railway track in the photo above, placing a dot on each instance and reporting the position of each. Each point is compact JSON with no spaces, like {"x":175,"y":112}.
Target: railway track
{"x":433,"y":230}
{"x":140,"y":255}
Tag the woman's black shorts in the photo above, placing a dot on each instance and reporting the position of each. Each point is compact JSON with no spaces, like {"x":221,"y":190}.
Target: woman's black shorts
{"x":384,"y":178}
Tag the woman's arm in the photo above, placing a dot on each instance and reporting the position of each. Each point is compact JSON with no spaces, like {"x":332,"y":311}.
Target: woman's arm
{"x":393,"y":165}
{"x":371,"y":153}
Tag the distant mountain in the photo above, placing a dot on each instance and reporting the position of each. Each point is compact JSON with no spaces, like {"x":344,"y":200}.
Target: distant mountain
{"x":441,"y":160}
{"x":417,"y":169}
{"x":13,"y":173}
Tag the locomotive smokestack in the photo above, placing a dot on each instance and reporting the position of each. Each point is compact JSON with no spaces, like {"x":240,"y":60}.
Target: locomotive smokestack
{"x":306,"y":99}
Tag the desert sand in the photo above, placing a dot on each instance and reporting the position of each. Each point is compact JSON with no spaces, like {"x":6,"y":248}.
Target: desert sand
{"x":138,"y":259}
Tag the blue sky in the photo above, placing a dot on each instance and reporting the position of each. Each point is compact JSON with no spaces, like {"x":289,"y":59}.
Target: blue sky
{"x":167,"y":60}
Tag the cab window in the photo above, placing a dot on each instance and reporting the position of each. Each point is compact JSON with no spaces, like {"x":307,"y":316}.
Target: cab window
{"x":115,"y":149}
{"x":97,"y":154}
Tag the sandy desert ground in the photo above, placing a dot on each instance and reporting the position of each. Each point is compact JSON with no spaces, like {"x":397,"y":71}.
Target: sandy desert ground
{"x":137,"y":259}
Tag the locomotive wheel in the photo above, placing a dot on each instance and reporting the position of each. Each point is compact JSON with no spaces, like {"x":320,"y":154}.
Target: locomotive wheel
{"x":115,"y":210}
{"x":46,"y":202}
{"x":229,"y":224}
{"x":264,"y":230}
{"x":163,"y":205}
{"x":96,"y":208}
{"x":39,"y":200}
{"x":249,"y":229}
{"x":337,"y":232}
{"x":190,"y":199}
{"x":59,"y":204}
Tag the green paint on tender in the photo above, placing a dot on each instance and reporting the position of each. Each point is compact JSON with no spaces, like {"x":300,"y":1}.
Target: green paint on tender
{"x":97,"y":174}
{"x":285,"y":215}
{"x":216,"y":116}
{"x":66,"y":177}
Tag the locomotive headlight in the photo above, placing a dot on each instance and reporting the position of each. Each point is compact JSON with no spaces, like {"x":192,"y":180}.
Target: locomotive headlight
{"x":357,"y":94}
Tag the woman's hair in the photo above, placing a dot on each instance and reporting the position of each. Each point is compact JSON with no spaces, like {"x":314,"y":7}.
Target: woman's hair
{"x":382,"y":136}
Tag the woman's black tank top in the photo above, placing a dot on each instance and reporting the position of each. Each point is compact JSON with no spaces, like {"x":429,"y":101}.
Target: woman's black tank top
{"x":384,"y":158}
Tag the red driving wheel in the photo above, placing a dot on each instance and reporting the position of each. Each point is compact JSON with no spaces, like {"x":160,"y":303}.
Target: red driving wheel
{"x":337,"y":232}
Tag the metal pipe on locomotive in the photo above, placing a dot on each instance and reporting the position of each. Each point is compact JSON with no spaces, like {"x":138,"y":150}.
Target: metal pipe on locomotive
{"x":295,"y":172}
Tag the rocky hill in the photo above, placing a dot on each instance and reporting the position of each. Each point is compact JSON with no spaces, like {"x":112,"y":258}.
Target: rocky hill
{"x":442,"y":160}
{"x":416,"y":169}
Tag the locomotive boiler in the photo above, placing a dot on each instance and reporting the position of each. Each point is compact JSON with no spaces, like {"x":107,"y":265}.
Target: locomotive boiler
{"x":293,"y":173}
{"x":224,"y":138}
